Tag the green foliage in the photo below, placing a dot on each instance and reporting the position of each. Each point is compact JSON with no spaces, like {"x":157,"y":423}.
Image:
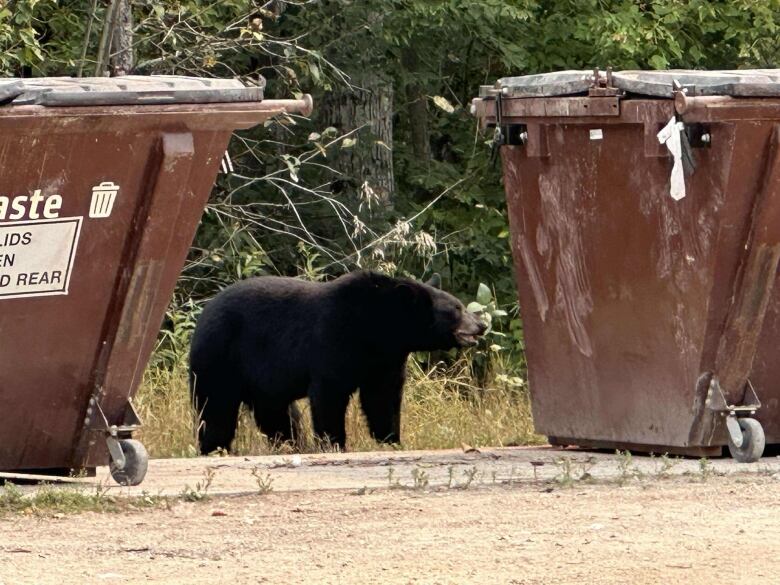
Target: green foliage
{"x":457,"y":45}
{"x":281,"y":211}
{"x":485,"y":307}
{"x":495,"y":341}
{"x":20,"y":32}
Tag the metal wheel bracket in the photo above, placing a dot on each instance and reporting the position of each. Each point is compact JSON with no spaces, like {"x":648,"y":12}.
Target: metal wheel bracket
{"x":115,"y":449}
{"x":716,"y":400}
{"x":114,"y":433}
{"x":735,"y":432}
{"x":751,"y":398}
{"x":131,"y":421}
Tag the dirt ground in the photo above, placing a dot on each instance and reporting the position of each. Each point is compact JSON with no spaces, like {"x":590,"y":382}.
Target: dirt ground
{"x":521,"y":516}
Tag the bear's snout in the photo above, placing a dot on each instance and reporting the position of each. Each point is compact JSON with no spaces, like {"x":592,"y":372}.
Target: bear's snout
{"x":471,"y":328}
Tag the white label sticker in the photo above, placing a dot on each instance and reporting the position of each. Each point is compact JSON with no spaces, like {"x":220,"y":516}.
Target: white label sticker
{"x":36,"y":257}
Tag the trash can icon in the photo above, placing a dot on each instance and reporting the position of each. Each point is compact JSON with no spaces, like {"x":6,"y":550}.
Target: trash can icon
{"x":103,"y":197}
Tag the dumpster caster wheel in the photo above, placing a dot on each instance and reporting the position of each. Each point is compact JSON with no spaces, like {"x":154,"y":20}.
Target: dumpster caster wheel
{"x":136,"y":463}
{"x":753,"y":441}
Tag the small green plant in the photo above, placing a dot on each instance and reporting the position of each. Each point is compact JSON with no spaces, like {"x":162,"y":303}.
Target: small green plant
{"x":705,"y":469}
{"x":628,"y":470}
{"x":666,"y":464}
{"x":264,"y":481}
{"x":11,"y":498}
{"x":566,"y":477}
{"x":201,"y":490}
{"x":189,"y":494}
{"x":470,"y":475}
{"x":624,"y":462}
{"x":419,"y":478}
{"x":585,"y":467}
{"x":392,"y":482}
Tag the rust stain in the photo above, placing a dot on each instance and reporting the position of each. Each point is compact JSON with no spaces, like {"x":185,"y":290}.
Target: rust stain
{"x":572,"y":292}
{"x":534,"y":277}
{"x":139,"y":300}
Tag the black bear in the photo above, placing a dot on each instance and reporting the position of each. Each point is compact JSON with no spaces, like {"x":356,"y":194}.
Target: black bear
{"x":268,"y":341}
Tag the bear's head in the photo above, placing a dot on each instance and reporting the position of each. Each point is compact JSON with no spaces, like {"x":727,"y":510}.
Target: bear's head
{"x":450,"y":324}
{"x":421,"y":316}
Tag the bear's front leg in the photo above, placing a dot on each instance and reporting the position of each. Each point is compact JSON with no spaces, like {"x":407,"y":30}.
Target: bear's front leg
{"x":380,"y":398}
{"x":328,"y":410}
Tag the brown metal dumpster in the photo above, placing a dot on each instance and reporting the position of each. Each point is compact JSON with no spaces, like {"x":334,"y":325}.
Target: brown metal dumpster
{"x":644,"y":210}
{"x":102,"y":185}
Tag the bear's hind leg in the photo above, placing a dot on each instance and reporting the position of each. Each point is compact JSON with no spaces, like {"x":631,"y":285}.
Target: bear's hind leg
{"x":328,"y":409}
{"x":278,"y":422}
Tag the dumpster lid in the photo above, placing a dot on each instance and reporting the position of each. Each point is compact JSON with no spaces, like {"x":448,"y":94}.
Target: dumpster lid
{"x":125,"y":90}
{"x":547,"y":84}
{"x":745,"y":82}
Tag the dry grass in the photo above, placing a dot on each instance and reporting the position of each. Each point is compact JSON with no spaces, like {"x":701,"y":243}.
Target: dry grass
{"x":441,"y":410}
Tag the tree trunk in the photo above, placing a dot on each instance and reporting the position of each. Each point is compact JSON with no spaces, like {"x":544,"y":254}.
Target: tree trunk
{"x":417,"y":109}
{"x":122,"y":59}
{"x":418,"y":123}
{"x":366,"y":167}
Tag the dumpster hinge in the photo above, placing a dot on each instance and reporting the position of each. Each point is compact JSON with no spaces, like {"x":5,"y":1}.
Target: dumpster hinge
{"x":498,"y":134}
{"x":511,"y":134}
{"x":693,"y":135}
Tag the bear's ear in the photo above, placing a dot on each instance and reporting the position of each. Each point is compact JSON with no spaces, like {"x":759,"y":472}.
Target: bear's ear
{"x":435,"y":281}
{"x":410,"y":293}
{"x":377,"y":279}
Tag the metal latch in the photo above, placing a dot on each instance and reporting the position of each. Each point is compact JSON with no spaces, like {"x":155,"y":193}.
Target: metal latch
{"x":498,"y":133}
{"x":602,"y":85}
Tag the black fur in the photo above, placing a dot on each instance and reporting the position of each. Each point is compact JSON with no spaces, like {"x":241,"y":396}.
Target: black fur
{"x":269,"y":341}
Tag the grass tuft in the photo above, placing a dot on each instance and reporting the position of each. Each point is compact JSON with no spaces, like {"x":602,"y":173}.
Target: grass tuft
{"x":441,"y":409}
{"x":48,"y":500}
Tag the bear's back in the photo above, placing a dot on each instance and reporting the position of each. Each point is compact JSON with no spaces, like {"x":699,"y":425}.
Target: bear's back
{"x":257,"y":311}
